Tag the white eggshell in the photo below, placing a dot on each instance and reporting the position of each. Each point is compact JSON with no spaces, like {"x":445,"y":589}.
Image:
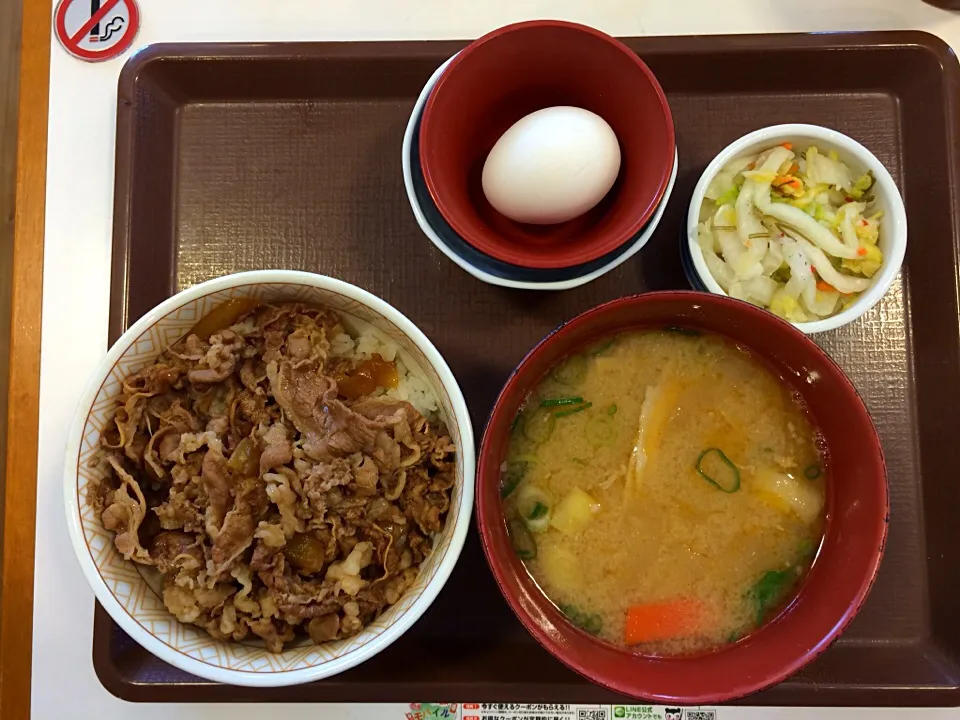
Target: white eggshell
{"x":552,"y":166}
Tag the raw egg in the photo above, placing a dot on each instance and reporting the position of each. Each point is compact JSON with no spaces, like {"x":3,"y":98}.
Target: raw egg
{"x":552,"y":166}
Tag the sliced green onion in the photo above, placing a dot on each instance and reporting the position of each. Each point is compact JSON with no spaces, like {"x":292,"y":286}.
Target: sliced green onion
{"x":509,"y":485}
{"x":758,"y":235}
{"x":612,"y":409}
{"x":538,"y":511}
{"x":812,"y":472}
{"x":593,"y":624}
{"x":729,"y":484}
{"x":589,"y":623}
{"x":524,"y":545}
{"x":729,"y":228}
{"x":603,"y":346}
{"x":538,"y":427}
{"x":599,"y":429}
{"x":572,"y":371}
{"x":555,"y":402}
{"x":515,"y":422}
{"x":769,"y":591}
{"x":572,"y":411}
{"x":533,"y":504}
{"x":681,"y":330}
{"x":514,"y":473}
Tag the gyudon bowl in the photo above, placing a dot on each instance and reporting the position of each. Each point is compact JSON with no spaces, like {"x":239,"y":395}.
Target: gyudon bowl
{"x":269,"y":478}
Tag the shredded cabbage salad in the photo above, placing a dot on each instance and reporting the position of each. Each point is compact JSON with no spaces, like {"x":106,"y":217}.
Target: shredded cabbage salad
{"x":795,"y":234}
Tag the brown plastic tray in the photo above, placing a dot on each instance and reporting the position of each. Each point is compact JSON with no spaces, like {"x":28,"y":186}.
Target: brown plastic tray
{"x":239,"y":157}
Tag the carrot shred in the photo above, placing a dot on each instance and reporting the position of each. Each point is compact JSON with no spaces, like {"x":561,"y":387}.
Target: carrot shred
{"x":784,"y":180}
{"x":793,"y":169}
{"x":662,"y":621}
{"x":824,"y":286}
{"x":788,"y":146}
{"x":861,"y":251}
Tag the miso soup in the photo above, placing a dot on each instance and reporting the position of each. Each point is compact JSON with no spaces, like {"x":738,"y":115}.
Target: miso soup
{"x":666,"y":491}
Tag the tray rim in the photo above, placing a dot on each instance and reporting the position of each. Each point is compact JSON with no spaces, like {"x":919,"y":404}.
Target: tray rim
{"x":658,"y":44}
{"x":849,"y":41}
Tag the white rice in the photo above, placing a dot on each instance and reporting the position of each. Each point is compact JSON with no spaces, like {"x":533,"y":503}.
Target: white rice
{"x":364,"y":341}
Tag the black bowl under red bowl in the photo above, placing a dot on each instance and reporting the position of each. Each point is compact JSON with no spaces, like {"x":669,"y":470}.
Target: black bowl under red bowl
{"x":857,"y":507}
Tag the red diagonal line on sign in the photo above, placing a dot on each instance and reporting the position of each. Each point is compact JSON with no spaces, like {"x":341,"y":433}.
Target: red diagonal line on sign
{"x":97,"y":17}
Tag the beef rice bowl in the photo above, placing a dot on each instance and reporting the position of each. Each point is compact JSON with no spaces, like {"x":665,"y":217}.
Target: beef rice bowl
{"x":276,"y":475}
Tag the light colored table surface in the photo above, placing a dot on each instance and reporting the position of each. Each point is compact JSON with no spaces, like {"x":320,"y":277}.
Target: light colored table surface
{"x":76,"y":275}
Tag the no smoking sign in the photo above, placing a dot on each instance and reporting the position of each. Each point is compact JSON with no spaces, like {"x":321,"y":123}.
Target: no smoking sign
{"x":96,"y":29}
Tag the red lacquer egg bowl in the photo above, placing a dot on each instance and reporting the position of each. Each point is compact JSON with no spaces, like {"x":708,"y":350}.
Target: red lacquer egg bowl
{"x":519,"y":69}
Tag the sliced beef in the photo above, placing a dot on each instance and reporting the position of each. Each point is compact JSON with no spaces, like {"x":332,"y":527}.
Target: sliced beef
{"x":274,"y":634}
{"x":125,"y":513}
{"x":324,"y":628}
{"x":386,"y":412}
{"x":328,"y":426}
{"x":217,"y":484}
{"x":278,"y":450}
{"x":270,"y":504}
{"x":236,"y":535}
{"x":171,"y":549}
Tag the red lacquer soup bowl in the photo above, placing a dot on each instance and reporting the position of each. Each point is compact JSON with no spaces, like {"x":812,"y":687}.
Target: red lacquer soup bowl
{"x":857,"y":509}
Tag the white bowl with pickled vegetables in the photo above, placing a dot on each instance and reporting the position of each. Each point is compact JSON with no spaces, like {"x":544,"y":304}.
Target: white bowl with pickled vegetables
{"x":801,"y":220}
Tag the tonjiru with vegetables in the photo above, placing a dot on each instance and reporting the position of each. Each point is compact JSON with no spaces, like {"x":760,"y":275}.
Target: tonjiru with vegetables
{"x":792,"y":231}
{"x":665,"y":490}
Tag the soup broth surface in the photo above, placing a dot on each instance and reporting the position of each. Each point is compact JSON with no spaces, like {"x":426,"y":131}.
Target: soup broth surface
{"x":665,"y":490}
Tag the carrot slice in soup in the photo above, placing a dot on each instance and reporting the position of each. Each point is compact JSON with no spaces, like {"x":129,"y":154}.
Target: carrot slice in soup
{"x":662,"y":621}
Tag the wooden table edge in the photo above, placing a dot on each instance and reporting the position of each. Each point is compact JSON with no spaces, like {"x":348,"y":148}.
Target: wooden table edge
{"x":20,"y":501}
